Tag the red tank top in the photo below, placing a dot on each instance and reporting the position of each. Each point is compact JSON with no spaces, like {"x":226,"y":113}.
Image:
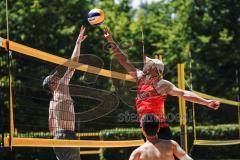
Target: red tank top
{"x":149,"y":101}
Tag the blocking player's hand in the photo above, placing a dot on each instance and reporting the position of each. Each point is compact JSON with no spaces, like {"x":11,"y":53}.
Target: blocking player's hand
{"x":81,"y":36}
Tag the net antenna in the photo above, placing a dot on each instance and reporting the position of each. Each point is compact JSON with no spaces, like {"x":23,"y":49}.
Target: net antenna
{"x":191,"y":88}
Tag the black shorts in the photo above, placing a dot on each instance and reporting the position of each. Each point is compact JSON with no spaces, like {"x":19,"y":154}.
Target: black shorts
{"x":66,"y":153}
{"x":164,"y":133}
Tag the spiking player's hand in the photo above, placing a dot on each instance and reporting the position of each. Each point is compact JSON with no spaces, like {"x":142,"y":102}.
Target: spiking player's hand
{"x":107,"y":34}
{"x":213,"y":104}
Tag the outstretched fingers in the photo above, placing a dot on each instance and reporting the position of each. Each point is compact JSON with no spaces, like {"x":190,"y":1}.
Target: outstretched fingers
{"x":106,"y":30}
{"x":81,"y":36}
{"x":82,"y":30}
{"x":84,"y":37}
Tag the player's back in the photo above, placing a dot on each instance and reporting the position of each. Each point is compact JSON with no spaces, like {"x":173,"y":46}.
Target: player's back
{"x":162,"y":150}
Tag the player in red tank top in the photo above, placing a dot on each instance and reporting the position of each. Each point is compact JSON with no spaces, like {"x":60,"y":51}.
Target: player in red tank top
{"x":152,"y":89}
{"x":149,"y":101}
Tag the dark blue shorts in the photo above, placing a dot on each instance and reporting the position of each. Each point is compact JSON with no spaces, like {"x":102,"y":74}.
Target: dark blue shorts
{"x":66,"y":153}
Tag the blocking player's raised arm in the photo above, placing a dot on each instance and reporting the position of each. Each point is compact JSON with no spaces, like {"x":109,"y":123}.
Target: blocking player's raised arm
{"x":75,"y":55}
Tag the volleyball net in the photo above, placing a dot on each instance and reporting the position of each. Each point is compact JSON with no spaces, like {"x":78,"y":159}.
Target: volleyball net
{"x":92,"y":90}
{"x":95,"y":105}
{"x":229,"y":129}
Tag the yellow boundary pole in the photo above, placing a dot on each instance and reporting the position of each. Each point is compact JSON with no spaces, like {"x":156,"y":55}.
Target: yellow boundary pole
{"x":182,"y":109}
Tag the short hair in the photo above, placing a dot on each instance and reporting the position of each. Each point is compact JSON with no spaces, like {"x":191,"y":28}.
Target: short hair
{"x":48,"y":79}
{"x":150,"y":62}
{"x":150,"y":124}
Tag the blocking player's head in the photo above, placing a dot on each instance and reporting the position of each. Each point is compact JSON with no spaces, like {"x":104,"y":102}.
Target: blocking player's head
{"x":51,"y":82}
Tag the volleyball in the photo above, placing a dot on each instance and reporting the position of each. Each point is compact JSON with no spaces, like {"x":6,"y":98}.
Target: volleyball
{"x":96,"y":17}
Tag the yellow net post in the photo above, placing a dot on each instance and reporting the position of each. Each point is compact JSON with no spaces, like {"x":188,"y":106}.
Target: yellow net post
{"x":11,"y":132}
{"x":2,"y":110}
{"x":10,"y":98}
{"x":182,"y":108}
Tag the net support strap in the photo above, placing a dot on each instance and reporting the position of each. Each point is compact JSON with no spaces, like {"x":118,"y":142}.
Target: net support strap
{"x":216,"y":142}
{"x":41,"y":142}
{"x":13,"y":46}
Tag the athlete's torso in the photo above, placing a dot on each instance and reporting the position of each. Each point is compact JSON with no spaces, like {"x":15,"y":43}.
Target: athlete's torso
{"x":151,"y":95}
{"x":159,"y":151}
{"x":148,"y":100}
{"x":61,"y":109}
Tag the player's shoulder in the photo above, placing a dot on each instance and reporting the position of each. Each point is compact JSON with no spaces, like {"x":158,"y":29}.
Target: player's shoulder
{"x":139,"y":149}
{"x":167,"y":142}
{"x":163,"y":87}
{"x":164,"y":81}
{"x":136,"y":153}
{"x":173,"y":143}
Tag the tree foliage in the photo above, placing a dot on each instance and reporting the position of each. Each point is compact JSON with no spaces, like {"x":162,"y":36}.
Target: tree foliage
{"x":207,"y":28}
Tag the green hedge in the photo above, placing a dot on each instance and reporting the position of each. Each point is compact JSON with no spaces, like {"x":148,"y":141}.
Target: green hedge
{"x":218,"y":132}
